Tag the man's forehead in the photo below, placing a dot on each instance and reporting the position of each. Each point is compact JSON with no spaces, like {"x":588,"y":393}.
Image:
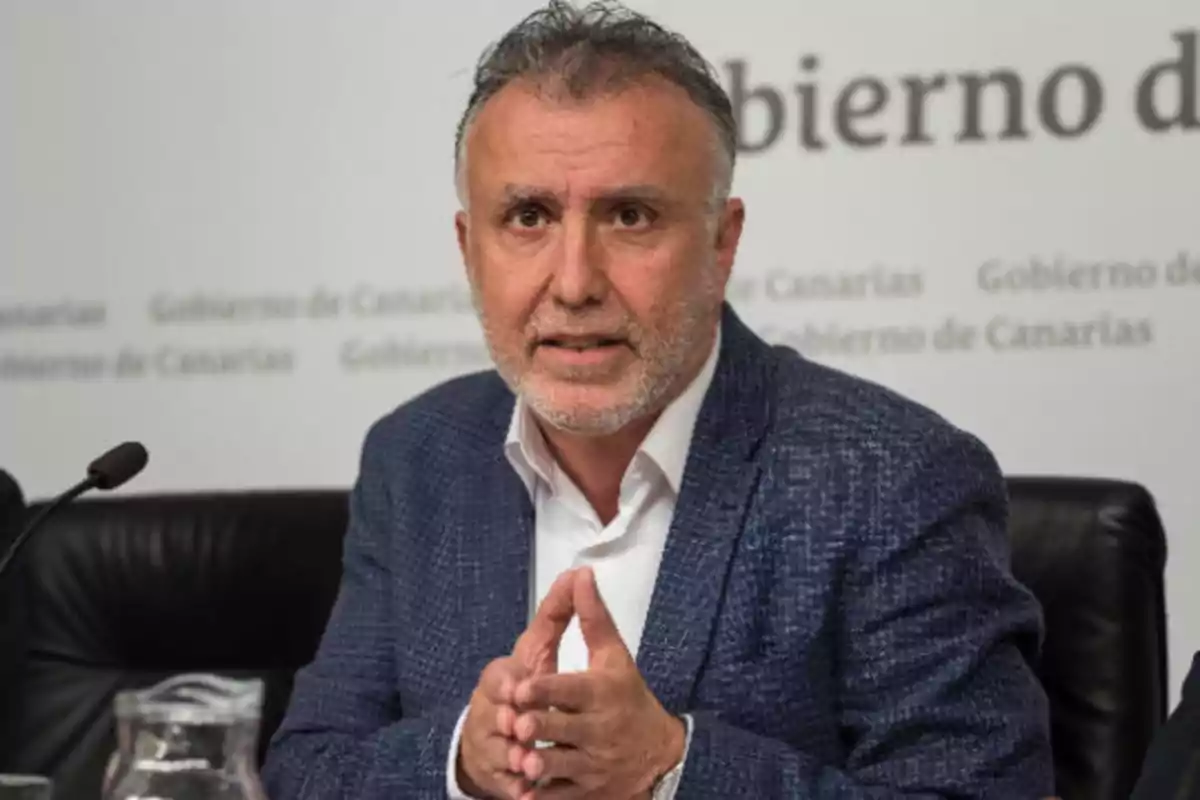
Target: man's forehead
{"x":610,"y":145}
{"x":541,"y":96}
{"x":616,"y":124}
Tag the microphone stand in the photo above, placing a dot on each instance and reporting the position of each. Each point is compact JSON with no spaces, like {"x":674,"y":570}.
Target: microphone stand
{"x":64,"y":498}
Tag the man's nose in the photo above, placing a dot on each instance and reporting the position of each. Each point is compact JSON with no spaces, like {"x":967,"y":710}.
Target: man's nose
{"x":579,"y":277}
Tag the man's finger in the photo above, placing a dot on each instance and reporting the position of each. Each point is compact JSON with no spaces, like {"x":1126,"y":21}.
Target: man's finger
{"x":512,"y":785}
{"x":568,"y":691}
{"x":551,"y":725}
{"x":492,"y":754}
{"x":506,"y":721}
{"x":553,"y":767}
{"x":499,"y":680}
{"x":516,"y":757}
{"x":537,"y":648}
{"x":558,"y":790}
{"x":605,"y":646}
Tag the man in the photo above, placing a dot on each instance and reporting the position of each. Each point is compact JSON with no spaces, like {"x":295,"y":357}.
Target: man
{"x":1172,"y":767}
{"x":753,"y":576}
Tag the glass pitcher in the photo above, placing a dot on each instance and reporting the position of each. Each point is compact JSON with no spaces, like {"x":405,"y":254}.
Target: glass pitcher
{"x":191,"y":737}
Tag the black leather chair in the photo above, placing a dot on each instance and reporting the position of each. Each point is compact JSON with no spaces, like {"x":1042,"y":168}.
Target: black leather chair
{"x":1172,"y":767}
{"x":123,"y":592}
{"x":1094,"y":553}
{"x":12,"y":514}
{"x":12,"y":508}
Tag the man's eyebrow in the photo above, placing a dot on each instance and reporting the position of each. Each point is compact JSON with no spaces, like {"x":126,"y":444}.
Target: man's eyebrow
{"x":518,"y":191}
{"x":637,"y":191}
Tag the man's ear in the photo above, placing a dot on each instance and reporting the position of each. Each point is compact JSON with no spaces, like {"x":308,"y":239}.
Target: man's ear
{"x":729,"y":233}
{"x":462,"y":224}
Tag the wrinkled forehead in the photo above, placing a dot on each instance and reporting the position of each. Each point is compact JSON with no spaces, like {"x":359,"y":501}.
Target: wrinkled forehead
{"x":646,"y":133}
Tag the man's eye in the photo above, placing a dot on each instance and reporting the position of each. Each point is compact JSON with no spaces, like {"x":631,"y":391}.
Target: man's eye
{"x":631,"y":216}
{"x":528,"y":216}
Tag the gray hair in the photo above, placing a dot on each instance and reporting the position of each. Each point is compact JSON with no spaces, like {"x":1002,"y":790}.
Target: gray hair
{"x":601,"y":47}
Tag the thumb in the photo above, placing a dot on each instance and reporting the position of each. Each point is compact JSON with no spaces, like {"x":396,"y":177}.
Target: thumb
{"x":605,"y":646}
{"x":537,"y":648}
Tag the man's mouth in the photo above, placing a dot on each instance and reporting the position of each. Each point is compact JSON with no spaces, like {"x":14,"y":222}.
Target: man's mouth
{"x":580,"y":344}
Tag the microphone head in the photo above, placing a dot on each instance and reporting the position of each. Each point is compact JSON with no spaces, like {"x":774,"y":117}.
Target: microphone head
{"x":118,"y":465}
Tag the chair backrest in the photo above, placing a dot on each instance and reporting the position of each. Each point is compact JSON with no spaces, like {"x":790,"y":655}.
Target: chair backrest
{"x":12,"y":509}
{"x":12,"y":635}
{"x":1094,"y":553}
{"x":123,"y":592}
{"x":1171,"y":770}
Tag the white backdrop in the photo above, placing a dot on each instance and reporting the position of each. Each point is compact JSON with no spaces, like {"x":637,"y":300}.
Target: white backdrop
{"x":226,"y":227}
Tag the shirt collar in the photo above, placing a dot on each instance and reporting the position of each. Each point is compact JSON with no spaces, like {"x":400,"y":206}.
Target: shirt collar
{"x":666,"y":445}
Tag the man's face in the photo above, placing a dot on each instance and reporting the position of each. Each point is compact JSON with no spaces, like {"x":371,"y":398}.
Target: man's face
{"x":597,"y":263}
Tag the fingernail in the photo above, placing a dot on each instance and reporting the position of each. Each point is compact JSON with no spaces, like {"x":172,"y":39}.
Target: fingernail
{"x":504,"y":720}
{"x":533,"y":766}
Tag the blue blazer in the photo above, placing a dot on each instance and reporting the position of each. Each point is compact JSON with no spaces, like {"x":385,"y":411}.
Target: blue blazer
{"x":834,"y":606}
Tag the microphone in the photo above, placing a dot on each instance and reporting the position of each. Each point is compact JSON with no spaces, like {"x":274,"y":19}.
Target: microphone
{"x":107,"y":472}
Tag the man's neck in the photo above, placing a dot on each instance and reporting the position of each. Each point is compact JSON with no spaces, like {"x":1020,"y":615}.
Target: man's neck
{"x":597,"y":464}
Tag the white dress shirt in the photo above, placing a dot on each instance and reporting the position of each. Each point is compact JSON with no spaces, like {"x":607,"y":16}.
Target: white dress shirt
{"x":625,"y":553}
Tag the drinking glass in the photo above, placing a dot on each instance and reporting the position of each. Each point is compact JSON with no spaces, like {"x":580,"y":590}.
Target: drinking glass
{"x":191,"y":737}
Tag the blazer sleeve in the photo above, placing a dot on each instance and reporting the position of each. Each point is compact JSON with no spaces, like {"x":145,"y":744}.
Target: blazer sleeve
{"x":938,"y":697}
{"x":344,"y":734}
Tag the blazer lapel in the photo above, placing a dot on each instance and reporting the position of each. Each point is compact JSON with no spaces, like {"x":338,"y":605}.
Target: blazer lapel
{"x":718,"y":483}
{"x":493,"y":559}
